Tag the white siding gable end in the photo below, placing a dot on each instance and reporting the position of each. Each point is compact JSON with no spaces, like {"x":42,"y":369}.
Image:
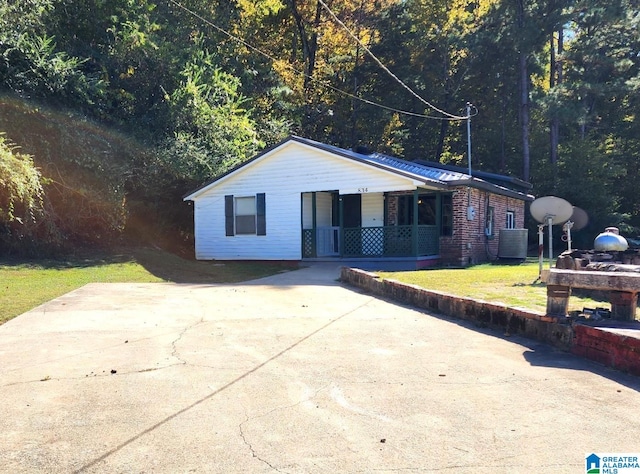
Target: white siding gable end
{"x":283,"y":174}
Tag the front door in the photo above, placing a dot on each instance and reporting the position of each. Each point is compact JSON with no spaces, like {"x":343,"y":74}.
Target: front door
{"x":352,"y":209}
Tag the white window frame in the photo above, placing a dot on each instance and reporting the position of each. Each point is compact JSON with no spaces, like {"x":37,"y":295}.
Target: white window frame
{"x":488,"y":224}
{"x":510,"y":221}
{"x":245,"y":207}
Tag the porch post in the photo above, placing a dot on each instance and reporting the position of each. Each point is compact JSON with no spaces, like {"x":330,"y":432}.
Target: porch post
{"x":438,"y":219}
{"x":414,"y":227}
{"x":385,"y":209}
{"x":341,"y":222}
{"x":314,"y":239}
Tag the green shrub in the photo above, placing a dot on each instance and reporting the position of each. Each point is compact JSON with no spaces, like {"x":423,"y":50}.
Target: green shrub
{"x":22,"y":213}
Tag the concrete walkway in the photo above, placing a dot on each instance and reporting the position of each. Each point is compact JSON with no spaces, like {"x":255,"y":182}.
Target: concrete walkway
{"x":294,"y":374}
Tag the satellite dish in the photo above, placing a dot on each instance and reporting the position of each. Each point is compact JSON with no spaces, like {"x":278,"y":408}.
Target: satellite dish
{"x":551,"y":208}
{"x":580,"y":218}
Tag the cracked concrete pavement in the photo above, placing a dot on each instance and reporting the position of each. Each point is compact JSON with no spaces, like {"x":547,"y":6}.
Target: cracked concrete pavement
{"x":294,"y":374}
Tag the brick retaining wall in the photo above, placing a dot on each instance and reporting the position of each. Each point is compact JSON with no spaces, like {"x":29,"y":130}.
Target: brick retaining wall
{"x":613,"y":349}
{"x":511,"y":321}
{"x":599,"y":344}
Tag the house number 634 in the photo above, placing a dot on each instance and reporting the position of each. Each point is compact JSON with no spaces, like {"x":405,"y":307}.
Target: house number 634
{"x":363,"y":190}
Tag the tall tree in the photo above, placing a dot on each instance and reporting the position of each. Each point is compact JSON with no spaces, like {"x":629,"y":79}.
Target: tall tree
{"x":556,"y":48}
{"x":599,"y":98}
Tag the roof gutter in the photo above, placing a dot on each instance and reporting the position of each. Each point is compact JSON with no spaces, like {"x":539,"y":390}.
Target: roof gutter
{"x":481,"y":184}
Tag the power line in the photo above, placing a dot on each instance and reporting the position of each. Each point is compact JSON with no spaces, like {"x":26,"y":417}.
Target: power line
{"x":386,"y":69}
{"x":448,"y":116}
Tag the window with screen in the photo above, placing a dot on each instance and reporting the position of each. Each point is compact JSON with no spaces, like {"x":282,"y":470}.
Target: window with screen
{"x":426,"y":209}
{"x":511,"y":220}
{"x":245,"y":215}
{"x":447,"y":215}
{"x":488,"y":223}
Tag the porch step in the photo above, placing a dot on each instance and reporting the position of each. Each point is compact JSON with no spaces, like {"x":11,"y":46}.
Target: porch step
{"x":382,"y":263}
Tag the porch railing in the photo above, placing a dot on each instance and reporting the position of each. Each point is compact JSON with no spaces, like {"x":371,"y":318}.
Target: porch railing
{"x":387,"y":241}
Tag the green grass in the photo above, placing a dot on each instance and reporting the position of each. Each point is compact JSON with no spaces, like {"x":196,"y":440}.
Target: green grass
{"x":513,"y":285}
{"x":25,"y":284}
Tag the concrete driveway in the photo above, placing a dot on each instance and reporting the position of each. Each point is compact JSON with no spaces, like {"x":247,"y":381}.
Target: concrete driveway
{"x":292,"y":374}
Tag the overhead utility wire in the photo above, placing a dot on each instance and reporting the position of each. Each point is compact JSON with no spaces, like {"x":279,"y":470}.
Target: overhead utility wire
{"x":325,"y":84}
{"x":387,"y":70}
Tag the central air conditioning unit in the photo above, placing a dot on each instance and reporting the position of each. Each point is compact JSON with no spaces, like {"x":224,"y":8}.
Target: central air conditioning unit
{"x":513,"y":243}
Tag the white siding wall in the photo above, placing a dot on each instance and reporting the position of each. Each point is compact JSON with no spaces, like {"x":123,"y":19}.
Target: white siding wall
{"x":373,"y":216}
{"x":373,"y":210}
{"x":282,"y":175}
{"x":307,"y":211}
{"x":323,"y":210}
{"x":283,"y":239}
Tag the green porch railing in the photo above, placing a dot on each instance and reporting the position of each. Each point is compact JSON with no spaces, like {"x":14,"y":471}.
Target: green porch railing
{"x":428,"y":240}
{"x":308,"y":249}
{"x":387,"y":241}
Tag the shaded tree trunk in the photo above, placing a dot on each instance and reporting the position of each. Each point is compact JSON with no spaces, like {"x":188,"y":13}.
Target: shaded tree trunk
{"x":444,"y":126}
{"x":503,"y":135}
{"x":524,"y":116}
{"x":356,"y":83}
{"x":555,"y":79}
{"x":524,"y":97}
{"x":308,"y":40}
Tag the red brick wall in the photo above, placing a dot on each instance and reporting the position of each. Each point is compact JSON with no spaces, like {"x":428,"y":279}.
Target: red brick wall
{"x":608,"y":347}
{"x":469,"y":245}
{"x":392,"y":210}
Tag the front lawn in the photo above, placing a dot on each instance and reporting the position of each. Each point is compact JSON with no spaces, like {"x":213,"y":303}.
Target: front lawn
{"x":513,"y":285}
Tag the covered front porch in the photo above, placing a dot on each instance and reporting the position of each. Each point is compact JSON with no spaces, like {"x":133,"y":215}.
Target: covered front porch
{"x":400,"y":226}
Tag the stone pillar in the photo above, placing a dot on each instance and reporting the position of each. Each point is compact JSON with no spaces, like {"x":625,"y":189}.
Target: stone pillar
{"x":558,"y":300}
{"x":623,"y":305}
